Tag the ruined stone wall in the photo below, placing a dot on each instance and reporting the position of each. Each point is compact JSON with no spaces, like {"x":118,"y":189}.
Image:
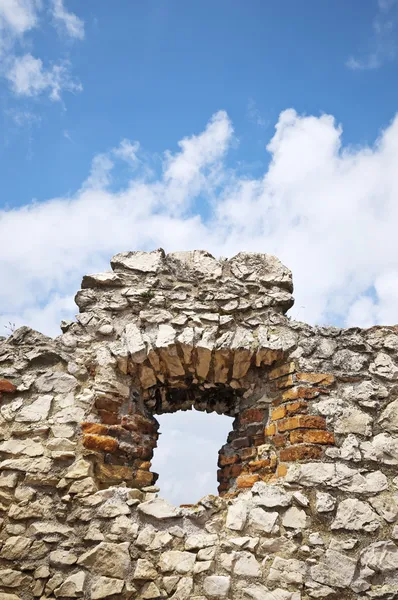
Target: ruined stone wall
{"x":308,"y":478}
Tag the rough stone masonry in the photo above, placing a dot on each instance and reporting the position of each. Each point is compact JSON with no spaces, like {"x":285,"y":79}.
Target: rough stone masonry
{"x":308,"y":479}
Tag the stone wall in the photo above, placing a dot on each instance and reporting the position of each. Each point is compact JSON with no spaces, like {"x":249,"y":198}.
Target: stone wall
{"x":308,"y":480}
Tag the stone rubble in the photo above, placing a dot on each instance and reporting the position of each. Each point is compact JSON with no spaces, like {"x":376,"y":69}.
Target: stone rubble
{"x":308,"y":480}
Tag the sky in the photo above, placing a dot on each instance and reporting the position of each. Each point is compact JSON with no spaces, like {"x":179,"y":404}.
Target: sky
{"x":228,"y":126}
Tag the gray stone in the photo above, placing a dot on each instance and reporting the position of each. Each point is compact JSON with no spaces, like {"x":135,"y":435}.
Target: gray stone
{"x":175,"y":560}
{"x":236,"y":516}
{"x":217,"y":586}
{"x":103,"y":587}
{"x":159,"y":509}
{"x":110,"y":560}
{"x":335,"y":570}
{"x":355,"y":515}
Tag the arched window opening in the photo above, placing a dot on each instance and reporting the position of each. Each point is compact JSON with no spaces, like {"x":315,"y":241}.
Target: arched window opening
{"x":187,"y":453}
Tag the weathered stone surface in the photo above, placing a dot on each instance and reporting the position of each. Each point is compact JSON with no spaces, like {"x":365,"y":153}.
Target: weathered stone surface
{"x":110,"y":560}
{"x":159,"y":509}
{"x":309,"y":507}
{"x":335,"y":570}
{"x":103,"y":587}
{"x":217,"y":586}
{"x":355,"y":515}
{"x":175,"y":560}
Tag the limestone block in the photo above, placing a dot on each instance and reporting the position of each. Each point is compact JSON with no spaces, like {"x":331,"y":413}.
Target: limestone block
{"x":217,"y":586}
{"x":110,"y":560}
{"x":336,"y":570}
{"x":159,"y":509}
{"x":355,"y":515}
{"x":236,"y":516}
{"x":287,"y":571}
{"x":103,"y":587}
{"x":175,"y":560}
{"x":37,"y":411}
{"x":384,"y":367}
{"x":143,"y":262}
{"x":72,"y":586}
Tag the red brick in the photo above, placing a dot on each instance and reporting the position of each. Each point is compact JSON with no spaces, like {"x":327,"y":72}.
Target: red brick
{"x":311,"y":436}
{"x":236,"y":470}
{"x":293,"y":453}
{"x":241,"y":443}
{"x":224,"y":460}
{"x":7,"y":386}
{"x":301,"y":422}
{"x":246,"y":453}
{"x":279,"y":440}
{"x":109,"y":418}
{"x":252,"y":415}
{"x":139,"y":423}
{"x":300,"y":392}
{"x":258,"y":440}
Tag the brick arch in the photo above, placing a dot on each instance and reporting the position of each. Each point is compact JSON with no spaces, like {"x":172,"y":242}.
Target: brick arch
{"x":168,"y":332}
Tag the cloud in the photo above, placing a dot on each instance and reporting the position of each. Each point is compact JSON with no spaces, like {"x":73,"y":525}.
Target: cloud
{"x":67,"y":21}
{"x":25,"y":73}
{"x":18,"y":16}
{"x":28,"y":77}
{"x":328,"y":212}
{"x":383,"y":45}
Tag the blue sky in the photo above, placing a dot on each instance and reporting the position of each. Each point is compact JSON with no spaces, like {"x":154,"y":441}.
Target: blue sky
{"x":264,"y":125}
{"x":155,"y":71}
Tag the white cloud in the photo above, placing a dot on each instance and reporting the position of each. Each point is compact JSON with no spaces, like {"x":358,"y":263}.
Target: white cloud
{"x":18,"y":16}
{"x":382,"y":45}
{"x":67,"y":21}
{"x":28,"y":77}
{"x":25,"y":73}
{"x":328,"y":212}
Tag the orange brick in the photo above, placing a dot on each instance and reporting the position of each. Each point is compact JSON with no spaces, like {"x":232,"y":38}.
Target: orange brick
{"x":270,"y":429}
{"x":143,"y":478}
{"x":247,"y":481}
{"x":300,"y":392}
{"x":296,"y":407}
{"x":284,"y":382}
{"x":224,"y":460}
{"x":100,"y":442}
{"x":279,"y":440}
{"x":281,"y":470}
{"x":323,"y":378}
{"x":278,"y":413}
{"x":311,"y":436}
{"x":7,"y":386}
{"x":285,"y":369}
{"x":95,"y":428}
{"x":256,"y":465}
{"x":293,"y":453}
{"x":302,"y":421}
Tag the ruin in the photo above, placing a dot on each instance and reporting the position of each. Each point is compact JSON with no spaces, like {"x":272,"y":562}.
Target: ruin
{"x":308,"y":481}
